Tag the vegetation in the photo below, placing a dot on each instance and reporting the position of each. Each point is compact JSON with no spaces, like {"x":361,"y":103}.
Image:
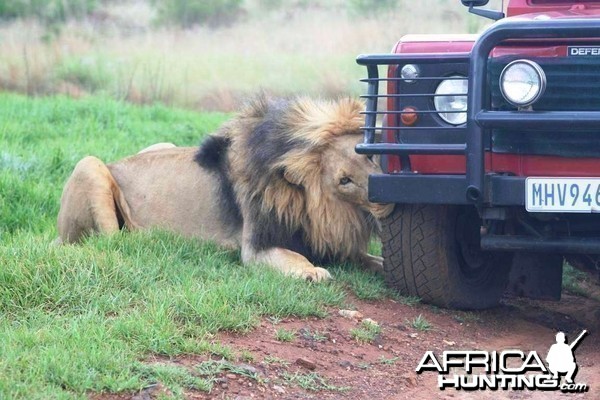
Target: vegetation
{"x":388,"y":361}
{"x":285,"y":335}
{"x":204,"y":55}
{"x":187,"y":13}
{"x":366,"y":332}
{"x":420,"y":323}
{"x":577,"y":282}
{"x":372,"y":7}
{"x":82,"y":319}
{"x":315,"y":336}
{"x":47,"y":11}
{"x":311,"y":381}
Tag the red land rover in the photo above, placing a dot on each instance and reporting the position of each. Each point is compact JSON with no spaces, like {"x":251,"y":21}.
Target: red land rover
{"x":490,"y":147}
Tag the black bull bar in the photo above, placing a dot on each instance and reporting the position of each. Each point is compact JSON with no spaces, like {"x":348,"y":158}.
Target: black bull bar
{"x":475,"y":187}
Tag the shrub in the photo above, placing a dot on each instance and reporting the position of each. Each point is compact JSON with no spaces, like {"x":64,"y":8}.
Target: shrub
{"x":372,"y":7}
{"x":187,"y":13}
{"x":87,"y":73}
{"x":47,"y":11}
{"x":271,"y":4}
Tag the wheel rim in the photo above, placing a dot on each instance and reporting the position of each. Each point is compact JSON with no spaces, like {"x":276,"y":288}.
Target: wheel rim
{"x":471,"y":259}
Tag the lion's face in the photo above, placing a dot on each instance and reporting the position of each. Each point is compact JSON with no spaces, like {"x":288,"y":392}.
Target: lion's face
{"x":346,"y":173}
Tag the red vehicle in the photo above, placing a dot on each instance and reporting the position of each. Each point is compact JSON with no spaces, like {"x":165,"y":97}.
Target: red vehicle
{"x":490,"y":147}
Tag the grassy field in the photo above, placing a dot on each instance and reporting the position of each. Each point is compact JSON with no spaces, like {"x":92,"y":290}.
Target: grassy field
{"x":81,"y":319}
{"x":303,"y":46}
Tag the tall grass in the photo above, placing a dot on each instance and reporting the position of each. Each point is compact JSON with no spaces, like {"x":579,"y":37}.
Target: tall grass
{"x":42,"y":139}
{"x":297,"y":47}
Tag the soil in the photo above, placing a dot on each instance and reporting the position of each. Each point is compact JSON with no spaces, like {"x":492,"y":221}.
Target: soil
{"x":385,"y":368}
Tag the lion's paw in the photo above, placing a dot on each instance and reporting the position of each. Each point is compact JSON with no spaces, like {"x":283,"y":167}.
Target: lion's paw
{"x":316,"y":274}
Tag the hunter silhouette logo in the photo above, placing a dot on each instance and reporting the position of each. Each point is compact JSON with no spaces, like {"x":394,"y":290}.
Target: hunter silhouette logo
{"x":561,"y":359}
{"x":508,"y":369}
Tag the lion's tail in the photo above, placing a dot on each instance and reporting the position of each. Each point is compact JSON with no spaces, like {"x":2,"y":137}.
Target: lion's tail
{"x":123,"y":207}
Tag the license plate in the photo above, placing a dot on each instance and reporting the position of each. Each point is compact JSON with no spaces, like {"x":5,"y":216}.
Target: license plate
{"x":578,"y":195}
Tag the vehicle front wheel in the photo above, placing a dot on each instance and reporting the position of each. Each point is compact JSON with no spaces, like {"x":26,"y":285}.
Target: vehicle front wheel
{"x":433,"y":252}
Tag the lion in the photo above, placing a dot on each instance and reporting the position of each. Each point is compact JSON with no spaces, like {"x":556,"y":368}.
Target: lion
{"x":280,"y":181}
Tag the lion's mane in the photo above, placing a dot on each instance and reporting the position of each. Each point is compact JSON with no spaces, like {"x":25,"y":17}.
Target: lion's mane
{"x":270,"y":158}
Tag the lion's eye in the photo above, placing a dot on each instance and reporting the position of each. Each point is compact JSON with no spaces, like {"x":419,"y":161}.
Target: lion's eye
{"x":345,"y":180}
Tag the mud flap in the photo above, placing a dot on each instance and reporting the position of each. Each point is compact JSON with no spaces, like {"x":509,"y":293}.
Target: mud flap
{"x":536,"y":276}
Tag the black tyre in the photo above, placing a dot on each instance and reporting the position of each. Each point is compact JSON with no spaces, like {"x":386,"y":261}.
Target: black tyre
{"x":433,"y":252}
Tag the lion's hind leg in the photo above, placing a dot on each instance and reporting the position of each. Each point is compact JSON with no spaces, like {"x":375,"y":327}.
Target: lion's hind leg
{"x":89,"y":203}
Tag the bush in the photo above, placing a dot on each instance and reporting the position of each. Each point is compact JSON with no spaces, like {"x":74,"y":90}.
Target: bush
{"x":187,"y":13}
{"x":371,"y":7}
{"x":89,"y":74}
{"x":47,"y":11}
{"x":271,"y":4}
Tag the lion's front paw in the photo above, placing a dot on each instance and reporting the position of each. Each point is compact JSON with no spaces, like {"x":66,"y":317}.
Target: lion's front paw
{"x":316,"y":274}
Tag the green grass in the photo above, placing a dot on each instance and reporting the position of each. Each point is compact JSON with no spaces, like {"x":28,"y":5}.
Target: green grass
{"x":387,"y":361}
{"x":83,"y":319}
{"x":285,"y":335}
{"x":212,"y":368}
{"x":272,"y":360}
{"x":572,"y":279}
{"x":366,"y":332}
{"x":311,"y":381}
{"x":420,"y":323}
{"x":315,"y":336}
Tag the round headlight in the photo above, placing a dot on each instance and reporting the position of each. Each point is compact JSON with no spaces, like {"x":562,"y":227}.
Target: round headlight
{"x":522,"y":82}
{"x":451,"y":100}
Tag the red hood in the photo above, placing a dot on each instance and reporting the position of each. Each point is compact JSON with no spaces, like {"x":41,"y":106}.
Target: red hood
{"x":530,"y":11}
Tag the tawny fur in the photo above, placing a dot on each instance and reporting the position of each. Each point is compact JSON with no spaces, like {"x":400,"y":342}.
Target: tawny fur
{"x":300,"y":197}
{"x":283,"y":163}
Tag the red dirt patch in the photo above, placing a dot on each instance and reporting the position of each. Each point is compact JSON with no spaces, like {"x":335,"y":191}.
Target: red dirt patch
{"x":384,"y":369}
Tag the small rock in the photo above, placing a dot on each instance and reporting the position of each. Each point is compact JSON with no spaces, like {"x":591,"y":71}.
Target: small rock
{"x":449,"y":342}
{"x":350,"y":314}
{"x":345,"y":364}
{"x":409,"y":379}
{"x":306,"y":363}
{"x":279,"y":389}
{"x":152,"y":392}
{"x":231,"y":376}
{"x":224,"y":386}
{"x":414,"y":335}
{"x":247,"y":368}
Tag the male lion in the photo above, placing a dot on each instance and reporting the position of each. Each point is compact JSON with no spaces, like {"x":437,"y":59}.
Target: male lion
{"x":281,"y":180}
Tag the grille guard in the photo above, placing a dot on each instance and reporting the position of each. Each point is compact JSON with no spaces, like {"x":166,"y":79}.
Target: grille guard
{"x":475,"y":188}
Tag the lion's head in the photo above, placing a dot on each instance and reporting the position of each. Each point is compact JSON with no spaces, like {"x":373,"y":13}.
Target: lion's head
{"x":295,"y":172}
